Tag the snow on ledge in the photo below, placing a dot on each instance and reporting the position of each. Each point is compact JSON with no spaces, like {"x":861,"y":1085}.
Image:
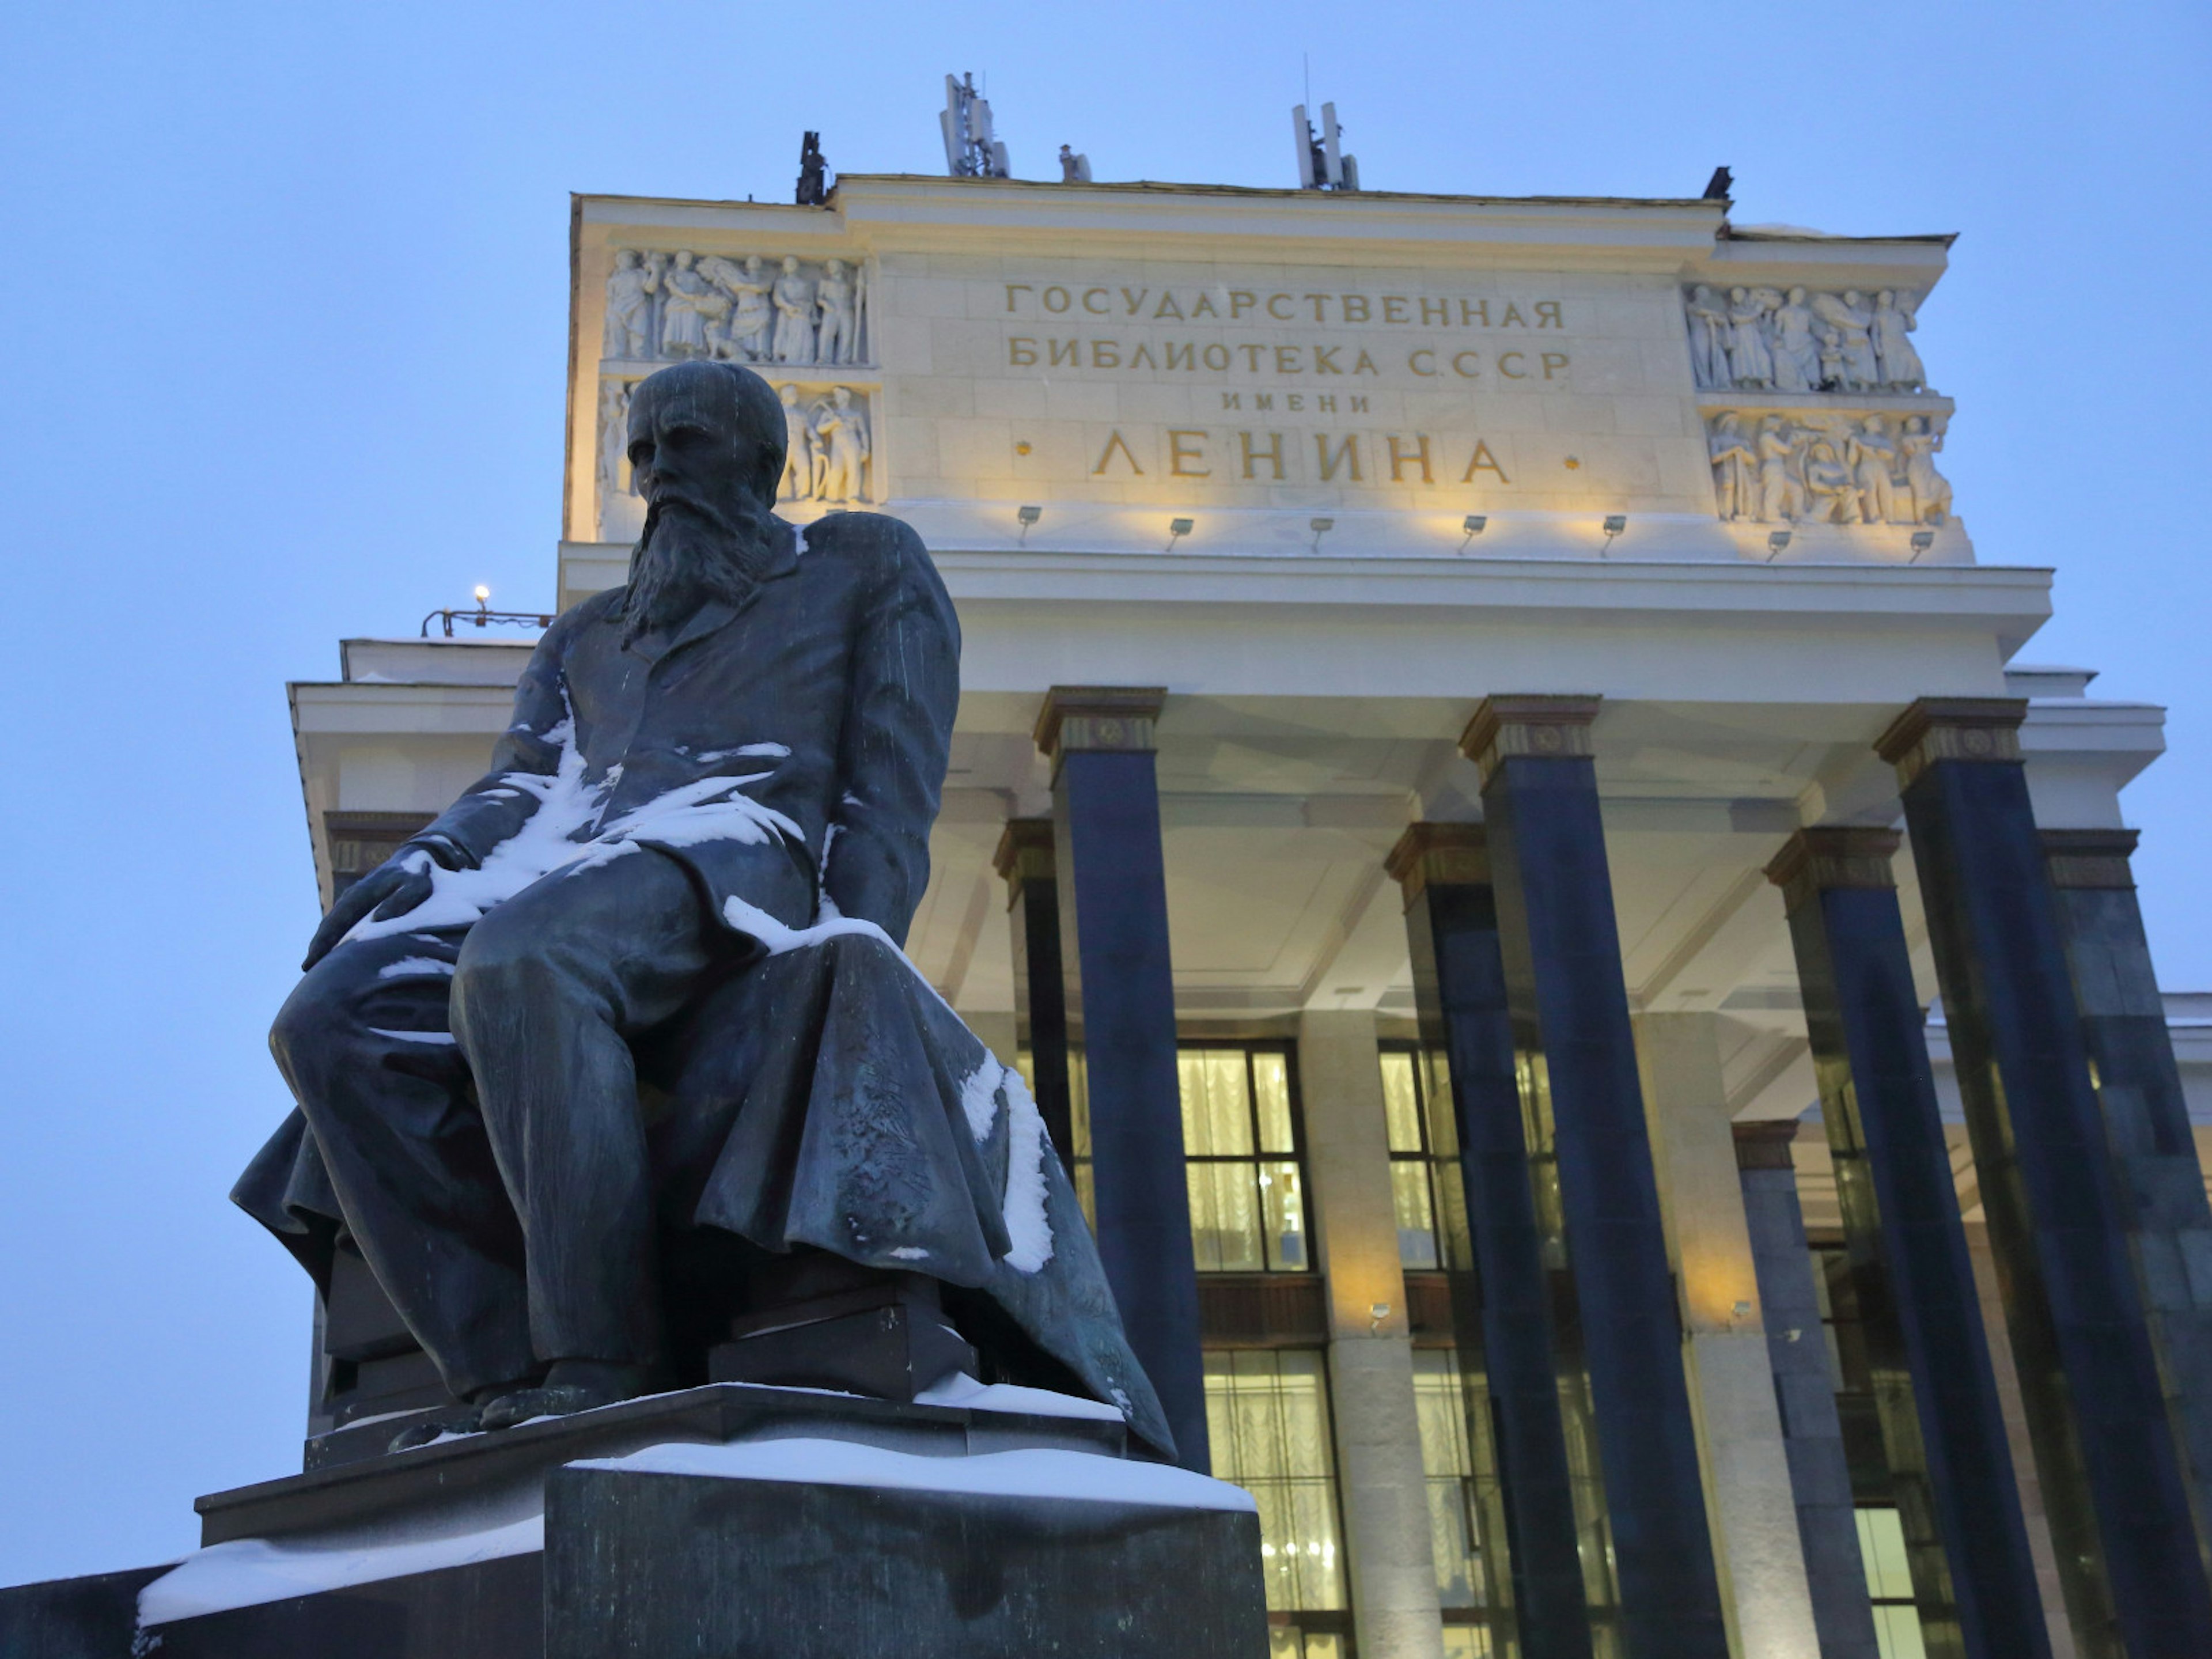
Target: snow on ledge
{"x":247,"y":1573}
{"x":1087,"y":1476}
{"x":964,"y":1391}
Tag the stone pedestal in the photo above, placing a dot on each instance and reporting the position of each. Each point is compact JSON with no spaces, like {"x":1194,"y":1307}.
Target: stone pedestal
{"x":731,"y":1519}
{"x":671,"y":1555}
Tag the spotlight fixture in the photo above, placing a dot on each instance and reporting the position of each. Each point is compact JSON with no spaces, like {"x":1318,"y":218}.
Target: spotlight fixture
{"x":1922,"y":541}
{"x":1177,"y":529}
{"x":1614,"y":523}
{"x":1320,"y":527}
{"x":1474,"y":524}
{"x":1377,"y":1313}
{"x":1026,"y":516}
{"x":483,"y":596}
{"x":1775,"y":542}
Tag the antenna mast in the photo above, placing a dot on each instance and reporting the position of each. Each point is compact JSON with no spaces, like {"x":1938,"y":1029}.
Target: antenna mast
{"x":1323,"y":164}
{"x":971,"y":150}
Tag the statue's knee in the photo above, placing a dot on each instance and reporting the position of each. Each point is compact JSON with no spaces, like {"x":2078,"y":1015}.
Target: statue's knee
{"x":316,"y":1011}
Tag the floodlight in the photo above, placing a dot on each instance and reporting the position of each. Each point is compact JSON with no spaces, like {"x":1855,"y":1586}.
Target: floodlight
{"x":1320,"y":527}
{"x":1177,"y":529}
{"x":1474,"y":524}
{"x":1922,"y":541}
{"x":1775,"y":543}
{"x":1026,"y":516}
{"x":1614,"y":523}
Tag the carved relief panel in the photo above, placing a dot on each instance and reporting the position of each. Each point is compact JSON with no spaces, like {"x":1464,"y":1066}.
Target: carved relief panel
{"x":1790,"y":468}
{"x":1771,"y":339}
{"x":666,"y":307}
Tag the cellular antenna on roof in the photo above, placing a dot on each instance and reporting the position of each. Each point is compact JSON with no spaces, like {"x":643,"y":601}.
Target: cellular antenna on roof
{"x":971,"y":149}
{"x":1323,"y":164}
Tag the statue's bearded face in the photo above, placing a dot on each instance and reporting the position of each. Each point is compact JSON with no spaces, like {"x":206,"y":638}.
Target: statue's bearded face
{"x":706,"y":447}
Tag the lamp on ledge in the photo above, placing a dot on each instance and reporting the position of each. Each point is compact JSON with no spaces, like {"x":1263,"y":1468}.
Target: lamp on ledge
{"x":1026,"y":516}
{"x":1614,"y":523}
{"x":1474,"y":524}
{"x":1177,"y":529}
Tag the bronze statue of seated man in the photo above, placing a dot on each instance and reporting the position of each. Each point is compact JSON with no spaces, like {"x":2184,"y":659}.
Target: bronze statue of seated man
{"x":691,"y":865}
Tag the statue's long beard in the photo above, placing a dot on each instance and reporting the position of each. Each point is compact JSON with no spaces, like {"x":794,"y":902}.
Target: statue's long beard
{"x":690,"y":553}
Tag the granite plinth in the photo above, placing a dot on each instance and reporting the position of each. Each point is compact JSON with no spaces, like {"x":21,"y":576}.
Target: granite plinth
{"x":95,"y":1617}
{"x":641,"y":1564}
{"x":976,"y":1523}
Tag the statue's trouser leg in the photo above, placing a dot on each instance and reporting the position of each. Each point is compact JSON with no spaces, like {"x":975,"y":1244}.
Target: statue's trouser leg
{"x":551,"y":987}
{"x":364,"y":1043}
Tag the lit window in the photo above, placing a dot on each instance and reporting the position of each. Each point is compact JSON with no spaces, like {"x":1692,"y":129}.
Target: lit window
{"x":1889,"y":1584}
{"x":1267,"y":1414}
{"x":1425,"y":1185}
{"x":1461,"y":1479}
{"x":1248,"y":1211}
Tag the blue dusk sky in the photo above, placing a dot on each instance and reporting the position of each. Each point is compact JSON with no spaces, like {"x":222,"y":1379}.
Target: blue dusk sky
{"x":289,"y":284}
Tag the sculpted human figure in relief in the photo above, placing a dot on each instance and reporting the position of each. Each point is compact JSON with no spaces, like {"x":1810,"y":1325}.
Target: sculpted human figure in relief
{"x":1872,"y":454}
{"x":1750,"y":364}
{"x":1797,"y":354}
{"x":843,"y":431}
{"x":1828,"y":485}
{"x":835,"y":338}
{"x":689,"y":302}
{"x":1899,"y":367}
{"x":1735,"y":465}
{"x":631,"y":289}
{"x":692,"y":863}
{"x":799,"y":446}
{"x":1929,"y":490}
{"x":1708,"y":338}
{"x":793,"y":295}
{"x":1780,"y":499}
{"x":614,"y":438}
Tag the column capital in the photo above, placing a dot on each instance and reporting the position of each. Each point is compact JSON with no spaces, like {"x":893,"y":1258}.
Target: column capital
{"x":1025,"y":854}
{"x":1439,"y":855}
{"x":1765,"y":1145}
{"x":1098,"y":717}
{"x":1827,"y":856}
{"x":1952,"y":728}
{"x":1549,"y":727}
{"x":2090,"y":858}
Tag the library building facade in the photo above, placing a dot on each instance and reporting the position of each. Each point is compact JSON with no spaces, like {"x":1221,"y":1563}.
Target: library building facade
{"x":1592,"y":992}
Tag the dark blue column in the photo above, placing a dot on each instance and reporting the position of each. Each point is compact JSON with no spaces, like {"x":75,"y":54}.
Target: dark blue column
{"x":1805,"y":1391}
{"x":1942,"y":1426}
{"x":1572,"y":1031}
{"x":1459,"y":990}
{"x":1113,"y":954}
{"x":1024,"y":858}
{"x":2161,"y":1184}
{"x":2112,"y":1479}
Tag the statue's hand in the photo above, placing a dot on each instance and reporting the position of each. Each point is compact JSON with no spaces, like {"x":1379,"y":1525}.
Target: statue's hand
{"x":393,"y":889}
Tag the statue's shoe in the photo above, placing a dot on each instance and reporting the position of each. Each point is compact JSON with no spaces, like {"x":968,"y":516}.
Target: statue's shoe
{"x":550,"y":1399}
{"x":465,"y":1420}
